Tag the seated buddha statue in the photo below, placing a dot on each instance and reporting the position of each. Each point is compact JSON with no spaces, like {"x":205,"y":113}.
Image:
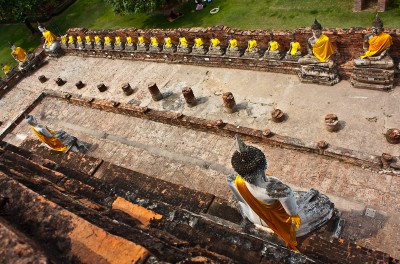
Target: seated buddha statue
{"x":319,"y":48}
{"x":51,"y":46}
{"x":215,"y":47}
{"x":233,"y":47}
{"x":129,"y":44}
{"x":154,"y":45}
{"x":252,"y":49}
{"x":376,"y":46}
{"x":79,"y":42}
{"x":272,"y":51}
{"x":20,"y":55}
{"x":88,"y":42}
{"x":198,"y":46}
{"x":267,"y":202}
{"x":294,"y":52}
{"x":108,"y":45}
{"x":168,"y":47}
{"x":118,"y":45}
{"x":98,"y":44}
{"x":141,"y":43}
{"x":183,"y":45}
{"x":71,"y":42}
{"x":64,"y":41}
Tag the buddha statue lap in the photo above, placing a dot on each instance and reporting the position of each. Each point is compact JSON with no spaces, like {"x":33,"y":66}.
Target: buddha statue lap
{"x":154,"y":45}
{"x":273,"y":51}
{"x":79,"y":43}
{"x":168,"y":47}
{"x":294,"y":52}
{"x":118,"y":45}
{"x":317,"y":66}
{"x":89,"y":43}
{"x":129,"y":44}
{"x":108,"y":45}
{"x":98,"y":44}
{"x":198,"y":47}
{"x":252,"y":49}
{"x":51,"y":46}
{"x":375,"y":69}
{"x":215,"y":47}
{"x":71,"y":42}
{"x":183,"y":46}
{"x":267,"y":202}
{"x":233,"y":48}
{"x":141,"y":43}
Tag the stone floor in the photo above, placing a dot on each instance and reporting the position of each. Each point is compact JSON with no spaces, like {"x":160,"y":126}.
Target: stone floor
{"x":200,"y":160}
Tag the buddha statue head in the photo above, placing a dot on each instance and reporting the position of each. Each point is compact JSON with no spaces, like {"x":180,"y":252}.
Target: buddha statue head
{"x":31,"y":120}
{"x":377,"y":25}
{"x":12,"y":46}
{"x":271,"y":36}
{"x":293,"y":37}
{"x":316,"y":29}
{"x":249,"y":162}
{"x":41,"y":28}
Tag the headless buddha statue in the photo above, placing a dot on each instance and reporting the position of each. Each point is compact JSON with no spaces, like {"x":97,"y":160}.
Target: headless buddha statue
{"x":266,"y":201}
{"x":198,"y":46}
{"x":154,"y":45}
{"x":141,"y":43}
{"x":183,"y":46}
{"x":273,"y":51}
{"x":51,"y":46}
{"x":233,"y":47}
{"x":376,"y":46}
{"x":56,"y":140}
{"x":294,"y":52}
{"x":215,"y":47}
{"x":252,"y":49}
{"x":129,"y":44}
{"x":168,"y":47}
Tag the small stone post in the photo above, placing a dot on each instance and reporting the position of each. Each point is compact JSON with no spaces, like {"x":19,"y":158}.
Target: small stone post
{"x":102,"y":87}
{"x":189,"y":96}
{"x":155,"y":92}
{"x":42,"y":78}
{"x":60,"y":81}
{"x":126,"y":88}
{"x":229,"y":102}
{"x":393,"y":135}
{"x":331,"y":122}
{"x":277,"y":115}
{"x":79,"y":85}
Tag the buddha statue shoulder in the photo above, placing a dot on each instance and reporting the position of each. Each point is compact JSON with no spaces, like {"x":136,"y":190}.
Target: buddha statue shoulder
{"x":266,"y":201}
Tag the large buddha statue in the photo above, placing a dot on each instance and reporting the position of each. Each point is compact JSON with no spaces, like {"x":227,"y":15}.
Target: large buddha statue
{"x":141,"y":43}
{"x":168,"y":47}
{"x":154,"y":45}
{"x":318,"y":66}
{"x":252,"y":49}
{"x":266,"y":201}
{"x":51,"y":46}
{"x":215,"y":47}
{"x":294,"y":52}
{"x":273,"y":51}
{"x":198,"y":46}
{"x":56,"y":140}
{"x":233,"y":47}
{"x":376,"y":46}
{"x":183,"y":46}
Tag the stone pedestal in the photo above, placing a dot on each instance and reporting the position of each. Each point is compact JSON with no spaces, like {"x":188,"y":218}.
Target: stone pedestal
{"x":375,"y":77}
{"x":98,"y":46}
{"x":252,"y":54}
{"x":155,"y":92}
{"x":171,"y":49}
{"x":199,"y":50}
{"x":80,"y":45}
{"x":182,"y":49}
{"x":272,"y":55}
{"x":72,"y":45}
{"x":229,"y":102}
{"x":154,"y":48}
{"x":108,"y":46}
{"x":89,"y":45}
{"x":216,"y":51}
{"x":141,"y":47}
{"x":318,"y":74}
{"x":64,"y":45}
{"x":119,"y":46}
{"x":189,"y":96}
{"x":130,"y":47}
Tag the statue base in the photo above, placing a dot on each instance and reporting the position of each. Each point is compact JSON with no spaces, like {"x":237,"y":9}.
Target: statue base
{"x":154,"y":49}
{"x":89,"y":46}
{"x":142,"y":48}
{"x":119,"y":46}
{"x":200,"y":51}
{"x":184,"y":50}
{"x":272,"y":56}
{"x":289,"y":57}
{"x":215,"y":52}
{"x":80,"y":45}
{"x":253,"y":54}
{"x":171,"y":49}
{"x":98,"y":46}
{"x":233,"y":53}
{"x":130,"y":47}
{"x":64,"y":45}
{"x":72,"y":45}
{"x":108,"y":47}
{"x":374,"y":77}
{"x":314,"y":73}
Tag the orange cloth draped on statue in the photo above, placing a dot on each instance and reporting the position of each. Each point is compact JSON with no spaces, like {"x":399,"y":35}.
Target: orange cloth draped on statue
{"x":323,"y":48}
{"x":273,"y":215}
{"x":377,"y":44}
{"x":52,"y":142}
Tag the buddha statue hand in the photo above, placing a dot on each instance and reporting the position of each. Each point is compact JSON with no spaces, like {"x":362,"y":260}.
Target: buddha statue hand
{"x":296,"y":220}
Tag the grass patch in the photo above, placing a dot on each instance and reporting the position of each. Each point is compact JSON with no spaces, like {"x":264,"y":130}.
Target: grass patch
{"x":243,"y":14}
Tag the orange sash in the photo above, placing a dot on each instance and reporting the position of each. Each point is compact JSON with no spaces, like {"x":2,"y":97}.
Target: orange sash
{"x":52,"y":142}
{"x":377,"y":44}
{"x":323,"y":48}
{"x":273,"y":215}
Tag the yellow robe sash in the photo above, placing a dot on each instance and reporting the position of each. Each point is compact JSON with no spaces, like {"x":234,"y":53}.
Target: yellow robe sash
{"x":168,"y":42}
{"x":183,"y":42}
{"x":141,"y":40}
{"x":87,"y":39}
{"x":70,"y":39}
{"x":50,"y":37}
{"x":6,"y":69}
{"x":117,"y":40}
{"x":295,"y":48}
{"x":107,"y":40}
{"x":323,"y":48}
{"x":273,"y":215}
{"x":129,"y":40}
{"x":198,"y":42}
{"x":215,"y":42}
{"x":273,"y":46}
{"x":52,"y":142}
{"x":154,"y":41}
{"x":63,"y":39}
{"x":20,"y":53}
{"x":79,"y":39}
{"x":252,"y":44}
{"x":377,"y":44}
{"x":97,"y":39}
{"x":233,"y":43}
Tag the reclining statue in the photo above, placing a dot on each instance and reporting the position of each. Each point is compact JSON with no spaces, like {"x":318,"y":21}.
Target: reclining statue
{"x":215,"y":47}
{"x":56,"y":140}
{"x":51,"y":46}
{"x":266,"y":201}
{"x":273,"y":51}
{"x":294,"y":52}
{"x":233,"y":48}
{"x":376,"y":46}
